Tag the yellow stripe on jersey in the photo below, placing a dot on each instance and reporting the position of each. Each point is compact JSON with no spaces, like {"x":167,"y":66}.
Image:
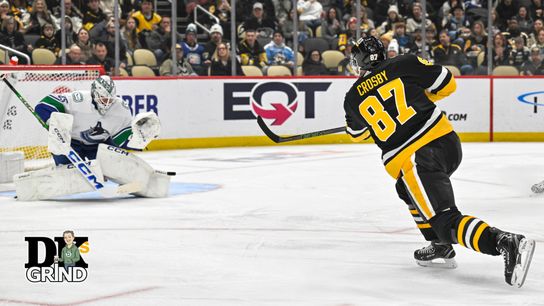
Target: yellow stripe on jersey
{"x":414,"y":212}
{"x":444,"y":92}
{"x":476,"y":239}
{"x":460,"y":229}
{"x":417,"y":191}
{"x":442,"y":128}
{"x":424,"y":225}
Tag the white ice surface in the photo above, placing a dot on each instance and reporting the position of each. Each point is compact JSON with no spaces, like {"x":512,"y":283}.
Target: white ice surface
{"x":289,"y":225}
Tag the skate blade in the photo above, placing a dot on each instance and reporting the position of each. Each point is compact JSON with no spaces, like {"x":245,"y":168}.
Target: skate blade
{"x":526,"y":251}
{"x":443,"y":263}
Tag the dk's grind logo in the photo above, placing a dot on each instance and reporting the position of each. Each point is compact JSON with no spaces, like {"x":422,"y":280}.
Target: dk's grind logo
{"x":60,"y":261}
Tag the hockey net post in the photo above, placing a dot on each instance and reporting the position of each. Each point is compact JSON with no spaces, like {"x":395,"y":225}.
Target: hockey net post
{"x":19,"y":131}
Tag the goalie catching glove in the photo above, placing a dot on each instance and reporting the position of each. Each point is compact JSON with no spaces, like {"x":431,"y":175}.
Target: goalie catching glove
{"x":145,"y":127}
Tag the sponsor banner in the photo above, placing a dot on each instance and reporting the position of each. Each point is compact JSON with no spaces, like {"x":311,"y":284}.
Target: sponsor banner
{"x":518,"y":105}
{"x":202,"y":108}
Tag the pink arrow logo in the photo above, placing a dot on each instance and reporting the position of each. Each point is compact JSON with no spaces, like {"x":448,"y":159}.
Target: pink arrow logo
{"x":280,"y":112}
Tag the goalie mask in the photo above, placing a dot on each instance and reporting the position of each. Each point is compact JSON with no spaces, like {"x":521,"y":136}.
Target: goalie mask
{"x":366,"y":54}
{"x":103,"y":93}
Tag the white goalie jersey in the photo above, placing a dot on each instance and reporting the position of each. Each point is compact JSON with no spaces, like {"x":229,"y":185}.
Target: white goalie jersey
{"x":90,"y":127}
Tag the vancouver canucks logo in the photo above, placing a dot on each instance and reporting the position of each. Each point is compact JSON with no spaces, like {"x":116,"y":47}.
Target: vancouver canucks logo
{"x":95,"y":134}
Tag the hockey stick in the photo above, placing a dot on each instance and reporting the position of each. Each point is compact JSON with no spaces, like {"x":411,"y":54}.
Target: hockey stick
{"x":74,"y":157}
{"x":277,"y":139}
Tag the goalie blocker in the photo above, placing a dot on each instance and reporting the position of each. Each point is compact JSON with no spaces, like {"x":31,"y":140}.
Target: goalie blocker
{"x":112,"y":163}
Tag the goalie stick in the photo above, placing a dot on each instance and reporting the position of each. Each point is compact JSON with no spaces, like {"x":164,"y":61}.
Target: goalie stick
{"x":76,"y":160}
{"x":277,"y":139}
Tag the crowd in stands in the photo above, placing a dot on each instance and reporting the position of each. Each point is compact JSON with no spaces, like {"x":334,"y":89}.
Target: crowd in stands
{"x":454,"y":31}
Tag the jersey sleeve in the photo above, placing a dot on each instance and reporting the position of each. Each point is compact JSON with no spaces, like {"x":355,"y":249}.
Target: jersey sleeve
{"x":355,"y":129}
{"x":120,"y":138}
{"x":437,"y":80}
{"x":52,"y":103}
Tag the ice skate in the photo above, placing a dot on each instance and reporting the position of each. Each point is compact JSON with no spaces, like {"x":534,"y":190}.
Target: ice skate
{"x":517,"y":252}
{"x":436,"y":255}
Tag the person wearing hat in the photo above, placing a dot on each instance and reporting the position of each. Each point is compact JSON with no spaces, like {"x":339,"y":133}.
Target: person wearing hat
{"x":531,"y":66}
{"x":393,"y":49}
{"x":147,"y":18}
{"x":183,"y":67}
{"x":259,"y":19}
{"x":393,"y":17}
{"x":193,"y":51}
{"x":216,"y":37}
{"x":93,"y":15}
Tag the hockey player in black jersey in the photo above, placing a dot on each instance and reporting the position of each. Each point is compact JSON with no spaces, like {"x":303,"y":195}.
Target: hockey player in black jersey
{"x":394,"y":103}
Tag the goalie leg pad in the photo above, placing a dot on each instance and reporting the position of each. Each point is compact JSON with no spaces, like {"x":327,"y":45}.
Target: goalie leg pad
{"x":53,"y":182}
{"x":124,"y":167}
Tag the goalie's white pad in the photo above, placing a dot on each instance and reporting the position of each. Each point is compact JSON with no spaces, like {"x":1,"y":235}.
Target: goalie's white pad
{"x":53,"y":182}
{"x":145,"y":127}
{"x":60,"y":126}
{"x":124,"y":167}
{"x":11,"y":163}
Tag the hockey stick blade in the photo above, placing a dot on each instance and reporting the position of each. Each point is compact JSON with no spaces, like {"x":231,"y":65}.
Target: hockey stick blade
{"x":277,"y":139}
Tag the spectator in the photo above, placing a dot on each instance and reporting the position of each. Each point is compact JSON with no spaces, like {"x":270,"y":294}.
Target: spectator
{"x":536,"y":9}
{"x":251,"y":52}
{"x":530,"y":66}
{"x":392,"y":18}
{"x":84,"y":43}
{"x":288,"y":28}
{"x":366,"y":23}
{"x":130,"y":35}
{"x":70,"y":35}
{"x":73,"y":56}
{"x":349,"y":34}
{"x":393,"y":49}
{"x":9,"y":36}
{"x":100,"y":57}
{"x":344,"y":67}
{"x":520,"y":54}
{"x":70,"y":11}
{"x":47,"y":39}
{"x":313,"y":64}
{"x":310,"y":12}
{"x":21,"y":9}
{"x":245,"y":8}
{"x":533,"y":35}
{"x":449,"y":54}
{"x":514,"y":31}
{"x":331,"y":26}
{"x":525,"y":22}
{"x":278,"y":53}
{"x":416,"y":21}
{"x":506,"y":9}
{"x":193,"y":51}
{"x":222,"y":62}
{"x":444,"y":13}
{"x":147,"y":19}
{"x":156,"y":40}
{"x":457,"y":21}
{"x":93,"y":15}
{"x":259,"y":20}
{"x":108,"y":39}
{"x":223,"y":13}
{"x":478,"y":37}
{"x":216,"y":37}
{"x":183,"y":67}
{"x":5,"y":12}
{"x":540,"y":42}
{"x":500,"y":51}
{"x":39,"y":16}
{"x":404,"y":41}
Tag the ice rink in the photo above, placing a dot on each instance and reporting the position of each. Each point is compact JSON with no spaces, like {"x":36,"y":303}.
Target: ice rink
{"x":280,"y":225}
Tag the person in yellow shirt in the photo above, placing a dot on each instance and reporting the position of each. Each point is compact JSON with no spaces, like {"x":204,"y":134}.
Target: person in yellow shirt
{"x":147,"y":19}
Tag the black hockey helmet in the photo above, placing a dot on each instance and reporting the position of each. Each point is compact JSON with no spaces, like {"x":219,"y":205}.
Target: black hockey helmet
{"x":367,"y":53}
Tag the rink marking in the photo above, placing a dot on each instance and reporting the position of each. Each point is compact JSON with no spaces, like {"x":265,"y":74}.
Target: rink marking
{"x":91,"y":300}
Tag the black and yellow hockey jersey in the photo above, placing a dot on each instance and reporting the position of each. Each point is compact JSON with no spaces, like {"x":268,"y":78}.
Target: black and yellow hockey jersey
{"x":395,"y":103}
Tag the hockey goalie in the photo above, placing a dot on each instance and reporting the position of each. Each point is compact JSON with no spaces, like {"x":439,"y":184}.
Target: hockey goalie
{"x":99,"y":127}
